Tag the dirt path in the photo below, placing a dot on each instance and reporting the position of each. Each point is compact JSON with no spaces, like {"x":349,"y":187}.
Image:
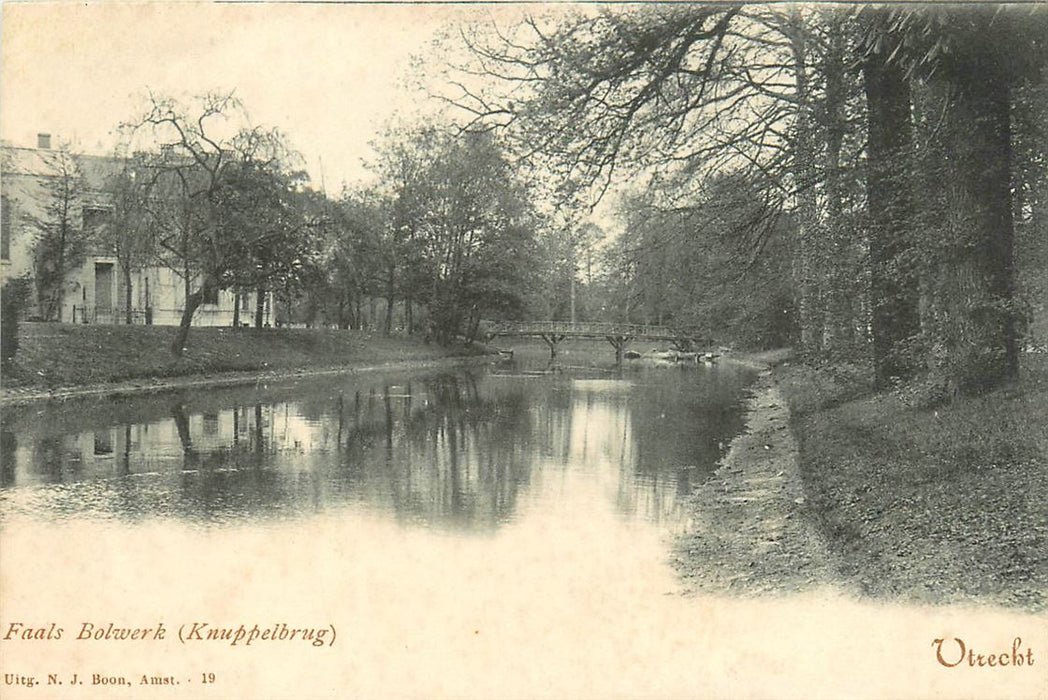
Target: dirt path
{"x":749,"y":531}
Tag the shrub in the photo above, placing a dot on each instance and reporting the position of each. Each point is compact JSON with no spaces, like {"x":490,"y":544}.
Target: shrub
{"x":14,"y":297}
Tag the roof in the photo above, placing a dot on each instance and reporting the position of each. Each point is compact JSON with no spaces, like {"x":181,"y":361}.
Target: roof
{"x":35,"y":162}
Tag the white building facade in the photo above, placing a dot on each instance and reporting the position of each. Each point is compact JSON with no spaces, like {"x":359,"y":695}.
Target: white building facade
{"x":95,"y":291}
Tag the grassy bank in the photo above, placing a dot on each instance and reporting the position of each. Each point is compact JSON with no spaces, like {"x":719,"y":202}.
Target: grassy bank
{"x":939,"y":505}
{"x":52,"y":355}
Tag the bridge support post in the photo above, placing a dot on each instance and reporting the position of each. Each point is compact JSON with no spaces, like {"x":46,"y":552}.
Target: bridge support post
{"x":551,"y":341}
{"x":619,"y":342}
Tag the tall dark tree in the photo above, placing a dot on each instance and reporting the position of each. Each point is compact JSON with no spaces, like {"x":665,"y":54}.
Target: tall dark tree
{"x":479,"y":236}
{"x":889,"y":195}
{"x":269,"y":236}
{"x":353,"y":255}
{"x":972,"y":60}
{"x":406,"y":156}
{"x":1030,"y":187}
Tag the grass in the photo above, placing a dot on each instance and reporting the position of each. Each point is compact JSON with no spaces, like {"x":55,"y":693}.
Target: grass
{"x":54,"y":355}
{"x":934,"y":505}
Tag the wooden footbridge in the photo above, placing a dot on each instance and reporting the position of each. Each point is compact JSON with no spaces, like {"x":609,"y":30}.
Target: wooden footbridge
{"x":618,"y":334}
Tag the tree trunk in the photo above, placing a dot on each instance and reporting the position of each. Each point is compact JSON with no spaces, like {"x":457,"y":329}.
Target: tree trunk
{"x":806,"y":269}
{"x":572,"y":293}
{"x":472,"y":325}
{"x":59,"y":295}
{"x":893,"y":283}
{"x":351,"y":311}
{"x":148,"y":300}
{"x":193,"y":301}
{"x":341,"y":313}
{"x":839,"y":321}
{"x":128,"y":296}
{"x":981,"y":347}
{"x":390,"y":283}
{"x":260,"y":305}
{"x":236,"y":308}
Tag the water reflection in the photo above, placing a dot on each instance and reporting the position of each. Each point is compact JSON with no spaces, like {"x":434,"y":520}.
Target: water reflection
{"x":452,"y":450}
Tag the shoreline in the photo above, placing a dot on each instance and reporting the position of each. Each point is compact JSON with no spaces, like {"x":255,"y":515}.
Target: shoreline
{"x":749,"y":532}
{"x":870,"y":495}
{"x":154,"y":385}
{"x":763,"y":361}
{"x":19,"y":396}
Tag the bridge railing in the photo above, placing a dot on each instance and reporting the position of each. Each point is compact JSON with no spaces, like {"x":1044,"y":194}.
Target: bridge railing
{"x":587,"y":328}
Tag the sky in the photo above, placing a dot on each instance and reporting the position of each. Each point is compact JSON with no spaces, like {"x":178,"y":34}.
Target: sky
{"x":327,"y":75}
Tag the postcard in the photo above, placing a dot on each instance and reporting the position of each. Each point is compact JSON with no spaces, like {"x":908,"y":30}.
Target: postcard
{"x":523,"y":350}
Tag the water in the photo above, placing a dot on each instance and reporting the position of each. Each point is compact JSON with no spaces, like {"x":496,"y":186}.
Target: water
{"x":483,"y":533}
{"x":469,"y":451}
{"x":490,"y":516}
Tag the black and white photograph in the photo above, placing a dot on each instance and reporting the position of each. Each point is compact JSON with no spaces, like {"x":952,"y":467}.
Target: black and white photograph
{"x":511,"y":350}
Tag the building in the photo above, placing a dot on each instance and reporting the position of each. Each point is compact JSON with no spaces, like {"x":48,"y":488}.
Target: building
{"x":95,"y":291}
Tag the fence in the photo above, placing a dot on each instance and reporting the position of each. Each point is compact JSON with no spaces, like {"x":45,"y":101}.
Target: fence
{"x":111,"y":315}
{"x":204,"y":316}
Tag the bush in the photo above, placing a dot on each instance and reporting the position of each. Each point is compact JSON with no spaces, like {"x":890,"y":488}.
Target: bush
{"x":14,"y":297}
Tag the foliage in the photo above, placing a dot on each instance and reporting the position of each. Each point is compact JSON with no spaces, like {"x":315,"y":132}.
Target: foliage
{"x":817,"y":109}
{"x":889,"y":482}
{"x":407,"y":157}
{"x":348,"y":265}
{"x":267,"y":235}
{"x":14,"y":299}
{"x":696,"y":268}
{"x":130,"y":231}
{"x":480,"y":237}
{"x":62,"y":241}
{"x":567,"y":270}
{"x":212,"y":169}
{"x":459,"y":234}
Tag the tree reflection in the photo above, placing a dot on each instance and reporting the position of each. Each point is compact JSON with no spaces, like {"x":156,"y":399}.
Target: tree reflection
{"x":185,"y":438}
{"x":125,"y":461}
{"x":444,"y":451}
{"x":448,"y":456}
{"x":8,"y":450}
{"x":49,"y":458}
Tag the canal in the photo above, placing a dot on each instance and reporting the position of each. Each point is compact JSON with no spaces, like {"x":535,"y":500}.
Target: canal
{"x":469,"y":452}
{"x":492,"y":531}
{"x":495,"y":510}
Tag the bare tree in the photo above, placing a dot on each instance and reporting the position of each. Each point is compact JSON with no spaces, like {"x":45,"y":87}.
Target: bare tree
{"x":201,"y":144}
{"x":62,"y":240}
{"x":130,"y":230}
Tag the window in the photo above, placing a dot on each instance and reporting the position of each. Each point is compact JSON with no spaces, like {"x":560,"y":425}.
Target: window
{"x":95,"y":218}
{"x":5,"y":228}
{"x":103,"y":443}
